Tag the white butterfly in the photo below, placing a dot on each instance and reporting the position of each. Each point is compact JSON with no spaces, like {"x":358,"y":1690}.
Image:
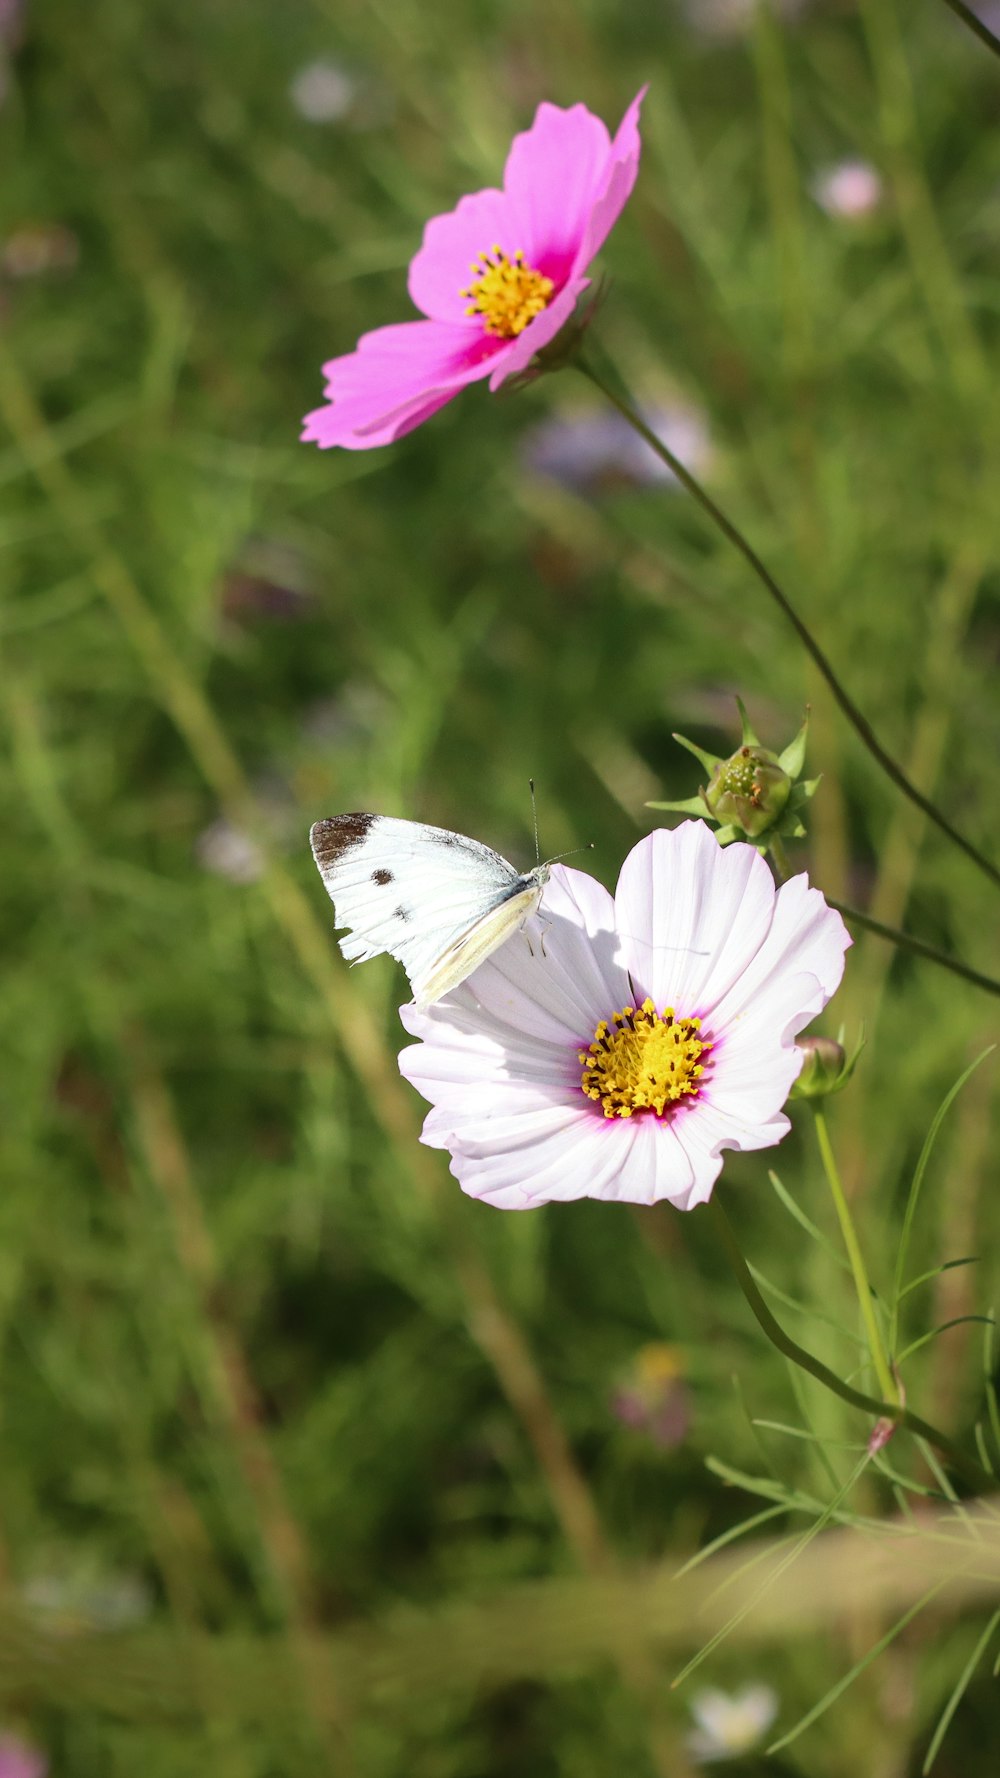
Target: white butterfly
{"x":436,"y":901}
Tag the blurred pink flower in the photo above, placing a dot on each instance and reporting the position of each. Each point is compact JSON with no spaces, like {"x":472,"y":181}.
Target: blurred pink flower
{"x":497,"y":278}
{"x":18,"y":1760}
{"x":618,"y":1047}
{"x":652,"y":1397}
{"x":851,"y":188}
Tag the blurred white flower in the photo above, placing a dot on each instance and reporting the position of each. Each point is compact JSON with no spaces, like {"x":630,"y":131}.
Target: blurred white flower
{"x":733,"y":18}
{"x":81,"y":1600}
{"x":226,"y":851}
{"x":597,"y":448}
{"x":851,"y":188}
{"x":322,"y":92}
{"x":729,"y":1725}
{"x":35,"y":249}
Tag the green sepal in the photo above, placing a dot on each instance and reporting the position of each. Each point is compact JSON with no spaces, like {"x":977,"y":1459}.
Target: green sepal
{"x":749,"y":737}
{"x":794,"y":756}
{"x":708,"y":760}
{"x":692,"y":805}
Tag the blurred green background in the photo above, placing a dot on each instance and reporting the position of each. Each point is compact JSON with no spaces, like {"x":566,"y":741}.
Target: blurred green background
{"x":301,"y":1450}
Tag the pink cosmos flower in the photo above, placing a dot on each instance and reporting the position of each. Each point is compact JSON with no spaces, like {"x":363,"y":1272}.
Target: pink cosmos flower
{"x":18,"y":1760}
{"x":496,"y":278}
{"x":619,"y":1046}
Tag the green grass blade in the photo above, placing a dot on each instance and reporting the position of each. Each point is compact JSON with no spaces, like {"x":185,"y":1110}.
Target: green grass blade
{"x":961,"y":1687}
{"x":815,"y":1234}
{"x":915,"y":1185}
{"x":838,"y":1690}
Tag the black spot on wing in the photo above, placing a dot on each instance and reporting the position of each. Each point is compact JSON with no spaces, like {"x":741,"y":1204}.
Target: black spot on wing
{"x":403,"y":914}
{"x":381,"y":876}
{"x":331,"y":839}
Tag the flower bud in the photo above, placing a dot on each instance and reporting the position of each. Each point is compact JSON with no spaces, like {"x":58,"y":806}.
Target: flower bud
{"x":749,"y":790}
{"x":824,"y":1070}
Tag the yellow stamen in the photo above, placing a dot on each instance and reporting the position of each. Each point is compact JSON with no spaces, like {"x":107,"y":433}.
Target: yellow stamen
{"x":643,"y":1061}
{"x":507,"y":293}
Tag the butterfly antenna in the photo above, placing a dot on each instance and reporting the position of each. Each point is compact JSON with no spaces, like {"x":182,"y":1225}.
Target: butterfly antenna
{"x":534,"y":817}
{"x":589,"y":847}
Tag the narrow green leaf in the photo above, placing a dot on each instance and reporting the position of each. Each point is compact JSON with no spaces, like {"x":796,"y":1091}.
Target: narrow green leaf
{"x":935,"y":1272}
{"x":914,"y":1193}
{"x":836,"y":1444}
{"x":986,"y":1457}
{"x":801,"y":1543}
{"x":730,"y":1536}
{"x":989,"y":1367}
{"x":915,"y":1345}
{"x":791,"y":1302}
{"x":959,"y":1692}
{"x":804,"y":1222}
{"x":841,"y":1686}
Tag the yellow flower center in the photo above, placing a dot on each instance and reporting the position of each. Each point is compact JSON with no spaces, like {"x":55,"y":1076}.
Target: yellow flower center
{"x":507,"y":293}
{"x":643,"y":1061}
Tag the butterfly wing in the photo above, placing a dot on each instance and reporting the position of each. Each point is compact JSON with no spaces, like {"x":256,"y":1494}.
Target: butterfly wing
{"x":478,"y":942}
{"x":417,"y":892}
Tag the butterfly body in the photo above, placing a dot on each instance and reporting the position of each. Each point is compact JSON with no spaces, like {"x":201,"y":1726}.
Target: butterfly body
{"x":439,"y":902}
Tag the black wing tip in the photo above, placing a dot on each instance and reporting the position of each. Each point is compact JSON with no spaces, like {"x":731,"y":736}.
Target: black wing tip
{"x":331,"y":838}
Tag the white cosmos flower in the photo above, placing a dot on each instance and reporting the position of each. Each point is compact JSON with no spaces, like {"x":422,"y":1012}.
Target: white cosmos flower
{"x":730,"y":1725}
{"x":618,"y":1046}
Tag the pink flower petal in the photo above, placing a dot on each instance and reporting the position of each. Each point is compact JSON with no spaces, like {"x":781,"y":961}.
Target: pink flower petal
{"x":518,"y":353}
{"x":397,"y":377}
{"x":564,"y":186}
{"x":452,"y":244}
{"x":555,"y":174}
{"x":624,"y":166}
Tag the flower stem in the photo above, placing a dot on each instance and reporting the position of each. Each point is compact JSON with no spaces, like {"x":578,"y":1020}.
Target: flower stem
{"x":859,"y":722}
{"x":964,"y":1465}
{"x":969,"y":18}
{"x":885,"y":1378}
{"x":906,"y":942}
{"x":779,"y":857}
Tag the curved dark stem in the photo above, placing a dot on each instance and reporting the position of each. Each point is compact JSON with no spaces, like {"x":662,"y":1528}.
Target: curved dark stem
{"x":859,"y":722}
{"x":906,"y":942}
{"x":894,"y":1412}
{"x":969,"y":18}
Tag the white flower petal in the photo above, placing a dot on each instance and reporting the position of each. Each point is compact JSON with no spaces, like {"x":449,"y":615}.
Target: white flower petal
{"x":542,"y":1160}
{"x":692,"y":914}
{"x":806,"y":942}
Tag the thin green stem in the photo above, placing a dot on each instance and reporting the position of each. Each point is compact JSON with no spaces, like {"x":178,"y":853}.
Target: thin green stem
{"x":906,"y":942}
{"x":973,"y":1472}
{"x":875,"y":1345}
{"x":859,"y":722}
{"x":969,"y":18}
{"x":779,"y":857}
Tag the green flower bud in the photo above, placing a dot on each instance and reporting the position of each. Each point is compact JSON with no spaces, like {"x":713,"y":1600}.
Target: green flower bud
{"x":749,"y":790}
{"x":824,"y":1070}
{"x":754,"y":795}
